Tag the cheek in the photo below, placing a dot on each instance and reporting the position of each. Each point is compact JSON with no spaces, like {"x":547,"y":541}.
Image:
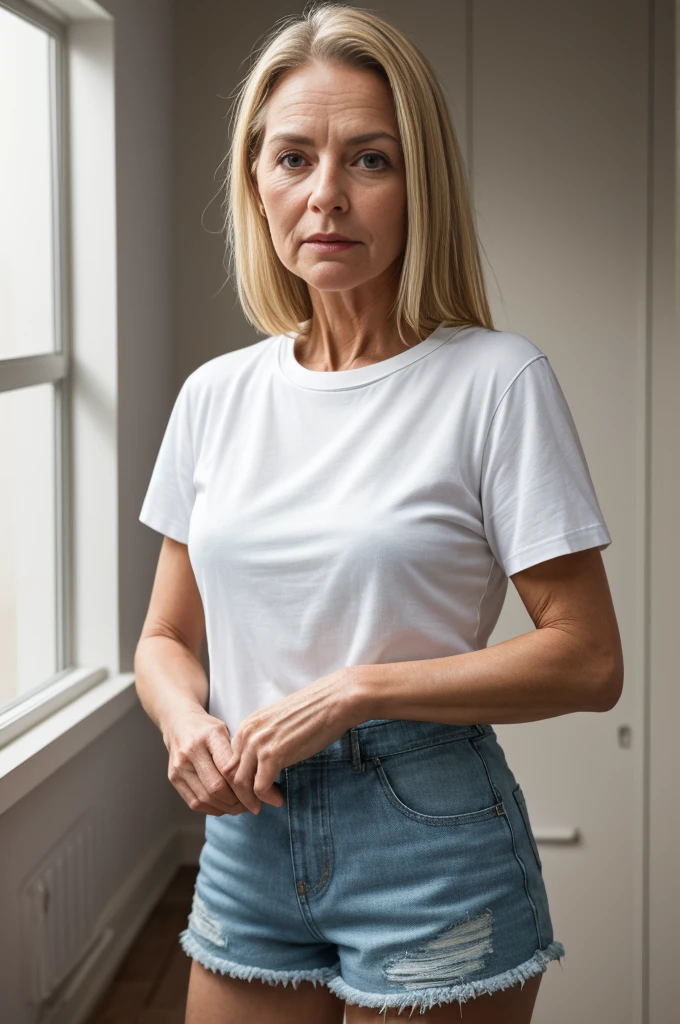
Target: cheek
{"x":384,"y":212}
{"x":284,"y":209}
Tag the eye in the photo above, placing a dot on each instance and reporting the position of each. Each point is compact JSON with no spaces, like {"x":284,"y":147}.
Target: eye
{"x":284,"y":156}
{"x":364,"y":156}
{"x":375,"y":156}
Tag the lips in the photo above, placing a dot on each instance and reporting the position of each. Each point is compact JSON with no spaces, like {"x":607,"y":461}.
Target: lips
{"x":329,"y":238}
{"x":330,"y":243}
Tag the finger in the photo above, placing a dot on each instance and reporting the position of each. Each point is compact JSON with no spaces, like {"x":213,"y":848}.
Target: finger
{"x":195,"y":796}
{"x":270,"y":792}
{"x":212,"y":780}
{"x":224,"y":754}
{"x":264,"y":786}
{"x":221,"y":757}
{"x":241,"y":781}
{"x":227,"y":757}
{"x":193,"y":801}
{"x":223,"y":796}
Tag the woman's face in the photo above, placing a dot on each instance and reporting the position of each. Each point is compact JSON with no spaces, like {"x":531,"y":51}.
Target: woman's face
{"x":331,"y":162}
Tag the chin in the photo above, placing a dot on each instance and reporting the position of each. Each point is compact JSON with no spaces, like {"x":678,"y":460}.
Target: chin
{"x":333,"y":279}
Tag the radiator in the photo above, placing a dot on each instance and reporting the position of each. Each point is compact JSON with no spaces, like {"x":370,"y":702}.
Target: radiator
{"x":59,"y":911}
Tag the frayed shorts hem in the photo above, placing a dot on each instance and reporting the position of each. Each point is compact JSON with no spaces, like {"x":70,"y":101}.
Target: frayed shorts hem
{"x":425,"y":999}
{"x":196,"y":951}
{"x":422,"y":999}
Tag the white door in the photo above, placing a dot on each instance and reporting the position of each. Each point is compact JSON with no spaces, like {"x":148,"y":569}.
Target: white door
{"x":559,"y":130}
{"x":551,"y":106}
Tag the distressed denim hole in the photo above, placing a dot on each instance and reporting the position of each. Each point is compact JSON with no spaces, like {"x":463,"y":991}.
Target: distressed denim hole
{"x":455,"y":953}
{"x":203,"y":923}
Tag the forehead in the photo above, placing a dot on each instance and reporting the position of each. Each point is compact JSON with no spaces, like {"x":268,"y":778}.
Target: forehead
{"x":330,"y":91}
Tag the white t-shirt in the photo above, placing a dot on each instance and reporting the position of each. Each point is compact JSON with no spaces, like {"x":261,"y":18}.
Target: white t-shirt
{"x":367,"y":515}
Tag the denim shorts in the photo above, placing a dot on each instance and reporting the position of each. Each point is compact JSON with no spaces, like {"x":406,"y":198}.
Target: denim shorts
{"x":401,"y":871}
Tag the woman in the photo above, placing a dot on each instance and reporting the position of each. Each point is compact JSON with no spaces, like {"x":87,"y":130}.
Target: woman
{"x":343,"y":503}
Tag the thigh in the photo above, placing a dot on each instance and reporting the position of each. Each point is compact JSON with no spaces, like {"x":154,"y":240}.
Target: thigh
{"x":214,"y":998}
{"x":512,"y":1006}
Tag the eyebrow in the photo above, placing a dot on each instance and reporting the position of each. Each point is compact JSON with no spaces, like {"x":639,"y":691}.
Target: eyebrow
{"x":305,"y":140}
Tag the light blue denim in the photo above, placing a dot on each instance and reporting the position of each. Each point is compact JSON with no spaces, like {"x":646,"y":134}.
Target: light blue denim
{"x":401,"y":871}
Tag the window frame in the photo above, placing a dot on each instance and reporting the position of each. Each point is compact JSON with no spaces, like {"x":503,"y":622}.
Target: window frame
{"x":68,"y":681}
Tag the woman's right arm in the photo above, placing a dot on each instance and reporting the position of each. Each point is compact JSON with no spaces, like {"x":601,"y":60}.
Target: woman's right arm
{"x":169,"y":676}
{"x":173,"y":687}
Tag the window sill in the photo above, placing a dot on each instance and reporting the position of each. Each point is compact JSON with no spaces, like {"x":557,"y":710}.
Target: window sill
{"x":37,"y":753}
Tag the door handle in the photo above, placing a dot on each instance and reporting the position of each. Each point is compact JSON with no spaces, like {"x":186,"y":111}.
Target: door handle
{"x":559,"y":835}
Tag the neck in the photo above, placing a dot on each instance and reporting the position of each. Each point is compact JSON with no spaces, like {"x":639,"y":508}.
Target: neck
{"x":352,"y":328}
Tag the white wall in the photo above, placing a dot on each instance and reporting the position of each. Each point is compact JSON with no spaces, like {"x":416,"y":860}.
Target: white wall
{"x":122,"y":776}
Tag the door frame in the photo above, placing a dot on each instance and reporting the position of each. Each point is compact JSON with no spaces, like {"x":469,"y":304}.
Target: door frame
{"x":661,"y":686}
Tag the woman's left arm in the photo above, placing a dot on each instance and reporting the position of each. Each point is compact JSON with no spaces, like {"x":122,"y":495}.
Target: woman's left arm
{"x":572,"y":661}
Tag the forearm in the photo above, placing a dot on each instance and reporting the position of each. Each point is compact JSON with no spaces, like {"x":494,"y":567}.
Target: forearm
{"x":541,"y":674}
{"x":169,"y":679}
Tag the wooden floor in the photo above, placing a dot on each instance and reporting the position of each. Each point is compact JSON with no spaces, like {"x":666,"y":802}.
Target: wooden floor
{"x":151,"y":984}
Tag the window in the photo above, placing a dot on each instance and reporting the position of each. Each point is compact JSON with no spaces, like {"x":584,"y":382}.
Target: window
{"x":36,"y":673}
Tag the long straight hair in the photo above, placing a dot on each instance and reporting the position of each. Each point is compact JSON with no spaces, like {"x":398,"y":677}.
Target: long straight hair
{"x":441,"y":278}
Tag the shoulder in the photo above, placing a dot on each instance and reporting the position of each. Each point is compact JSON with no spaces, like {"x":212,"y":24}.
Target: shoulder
{"x":216,"y":388}
{"x":498,"y":356}
{"x":229,"y":367}
{"x":482,"y":365}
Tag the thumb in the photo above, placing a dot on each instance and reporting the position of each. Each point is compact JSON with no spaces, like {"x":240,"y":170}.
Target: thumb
{"x":273,"y":796}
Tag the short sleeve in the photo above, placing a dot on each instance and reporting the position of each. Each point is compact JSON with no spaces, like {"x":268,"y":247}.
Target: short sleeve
{"x":538,"y":499}
{"x":170,"y":495}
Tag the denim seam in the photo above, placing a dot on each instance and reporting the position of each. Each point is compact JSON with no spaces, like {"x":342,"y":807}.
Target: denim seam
{"x":330,"y":762}
{"x":520,"y":800}
{"x":425,"y":746}
{"x":301,"y":898}
{"x":328,"y":849}
{"x":514,"y":846}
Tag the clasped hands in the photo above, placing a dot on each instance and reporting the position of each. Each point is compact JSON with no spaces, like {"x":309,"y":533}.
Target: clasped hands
{"x":283,"y":733}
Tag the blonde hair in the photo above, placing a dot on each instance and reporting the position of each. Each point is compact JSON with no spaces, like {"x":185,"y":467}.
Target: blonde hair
{"x":441,"y":277}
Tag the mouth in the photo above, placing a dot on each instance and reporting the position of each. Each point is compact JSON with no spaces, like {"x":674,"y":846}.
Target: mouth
{"x":331,"y":242}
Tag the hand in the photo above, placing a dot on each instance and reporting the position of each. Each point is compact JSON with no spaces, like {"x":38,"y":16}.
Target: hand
{"x":288,"y":731}
{"x":199,"y":747}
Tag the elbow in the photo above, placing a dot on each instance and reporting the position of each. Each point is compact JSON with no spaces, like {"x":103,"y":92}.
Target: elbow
{"x":608,"y":687}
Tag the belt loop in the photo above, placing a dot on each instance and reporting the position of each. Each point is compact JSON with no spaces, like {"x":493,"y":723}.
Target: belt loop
{"x":357,"y":764}
{"x":480,"y":730}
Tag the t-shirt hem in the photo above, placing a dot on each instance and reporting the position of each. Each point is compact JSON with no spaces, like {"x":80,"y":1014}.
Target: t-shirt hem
{"x":594,"y":535}
{"x":169,"y":527}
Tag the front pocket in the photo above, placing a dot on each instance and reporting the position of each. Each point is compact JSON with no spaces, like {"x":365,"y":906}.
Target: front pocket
{"x":522,"y":804}
{"x":425,"y":778}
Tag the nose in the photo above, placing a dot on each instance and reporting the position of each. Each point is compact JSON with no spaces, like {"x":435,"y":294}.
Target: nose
{"x":328,"y":193}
